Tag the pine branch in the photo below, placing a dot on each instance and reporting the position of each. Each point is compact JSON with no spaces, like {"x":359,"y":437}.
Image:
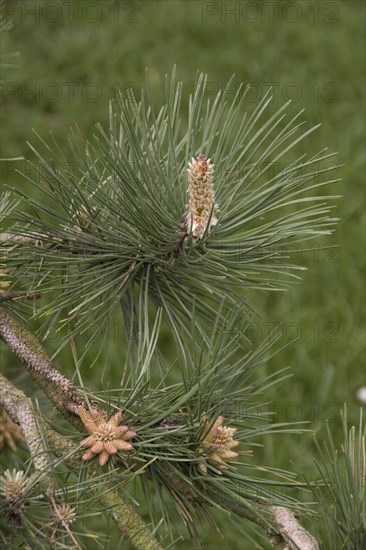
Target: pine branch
{"x":120,"y":223}
{"x":129,"y":522}
{"x":118,"y":231}
{"x":292,"y":532}
{"x":21,"y":410}
{"x":279,"y":523}
{"x":340,"y":490}
{"x":55,"y":385}
{"x":28,"y":349}
{"x":124,"y":515}
{"x":63,"y":447}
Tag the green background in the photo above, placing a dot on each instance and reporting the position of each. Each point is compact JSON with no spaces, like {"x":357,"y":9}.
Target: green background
{"x":74,"y":56}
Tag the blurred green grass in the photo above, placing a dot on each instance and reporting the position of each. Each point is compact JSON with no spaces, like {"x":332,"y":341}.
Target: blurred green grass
{"x":75,"y":65}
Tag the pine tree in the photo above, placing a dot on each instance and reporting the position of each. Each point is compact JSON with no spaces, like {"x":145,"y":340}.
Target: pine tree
{"x":172,"y":228}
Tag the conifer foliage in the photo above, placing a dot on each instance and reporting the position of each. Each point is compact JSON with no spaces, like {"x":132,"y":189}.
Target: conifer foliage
{"x":169,"y":225}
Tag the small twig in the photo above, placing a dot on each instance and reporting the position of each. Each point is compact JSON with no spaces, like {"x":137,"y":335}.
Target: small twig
{"x":17,"y":295}
{"x":58,"y":519}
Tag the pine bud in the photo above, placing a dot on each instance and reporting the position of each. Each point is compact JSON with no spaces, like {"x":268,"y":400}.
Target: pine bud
{"x":201,"y":206}
{"x":13,"y":486}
